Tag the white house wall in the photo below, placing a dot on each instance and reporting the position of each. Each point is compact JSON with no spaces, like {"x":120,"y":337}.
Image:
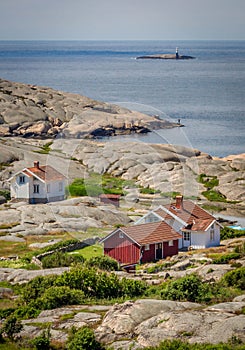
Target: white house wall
{"x":20,"y":190}
{"x":54,"y":191}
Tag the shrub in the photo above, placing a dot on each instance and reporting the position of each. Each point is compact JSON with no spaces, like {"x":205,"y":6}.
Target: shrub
{"x":11,"y":326}
{"x":59,"y":259}
{"x":55,"y":297}
{"x":83,"y":339}
{"x":42,"y":341}
{"x":235,"y":278}
{"x":225,"y":258}
{"x":103,"y":263}
{"x":36,"y":287}
{"x":190,"y":288}
{"x":227,"y":233}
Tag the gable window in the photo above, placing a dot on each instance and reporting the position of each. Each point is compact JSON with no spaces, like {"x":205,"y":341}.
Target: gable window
{"x":187,"y":236}
{"x":35,"y":188}
{"x":171,"y":243}
{"x":22,"y":179}
{"x":147,"y":247}
{"x":120,"y":235}
{"x":60,"y":186}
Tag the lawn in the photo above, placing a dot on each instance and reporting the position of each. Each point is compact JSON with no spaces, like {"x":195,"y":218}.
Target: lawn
{"x":90,"y":251}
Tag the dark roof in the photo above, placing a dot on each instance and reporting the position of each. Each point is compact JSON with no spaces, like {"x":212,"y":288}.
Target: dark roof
{"x":110,"y":196}
{"x":44,"y":172}
{"x":151,"y":233}
{"x":196,"y":218}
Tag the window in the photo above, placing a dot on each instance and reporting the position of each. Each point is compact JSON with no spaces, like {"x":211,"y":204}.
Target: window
{"x":22,"y":179}
{"x":212,"y":233}
{"x":147,"y":247}
{"x":187,"y":236}
{"x":35,"y":188}
{"x":48,"y":188}
{"x":120,"y":234}
{"x":60,"y":186}
{"x":171,"y":243}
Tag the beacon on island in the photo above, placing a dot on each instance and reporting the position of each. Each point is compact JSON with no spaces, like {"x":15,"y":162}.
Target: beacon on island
{"x":176,"y":53}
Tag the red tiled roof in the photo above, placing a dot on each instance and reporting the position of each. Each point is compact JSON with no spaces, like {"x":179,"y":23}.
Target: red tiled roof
{"x":196,"y":218}
{"x":151,"y":233}
{"x":44,"y":172}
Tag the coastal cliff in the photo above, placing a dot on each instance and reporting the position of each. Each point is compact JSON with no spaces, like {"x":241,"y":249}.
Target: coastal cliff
{"x":34,"y":111}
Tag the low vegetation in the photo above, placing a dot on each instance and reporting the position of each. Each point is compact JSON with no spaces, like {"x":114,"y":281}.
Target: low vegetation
{"x":45,"y":149}
{"x":97,"y":184}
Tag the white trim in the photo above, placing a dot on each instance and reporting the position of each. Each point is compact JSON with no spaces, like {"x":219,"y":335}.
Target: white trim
{"x":150,"y":212}
{"x":37,"y":177}
{"x":210,"y":225}
{"x":114,"y":232}
{"x":174,"y":216}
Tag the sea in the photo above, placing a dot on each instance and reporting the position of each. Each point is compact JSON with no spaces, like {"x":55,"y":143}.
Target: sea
{"x":207,"y":94}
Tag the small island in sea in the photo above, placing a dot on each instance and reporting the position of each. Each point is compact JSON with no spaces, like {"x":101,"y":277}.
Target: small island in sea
{"x":167,"y":56}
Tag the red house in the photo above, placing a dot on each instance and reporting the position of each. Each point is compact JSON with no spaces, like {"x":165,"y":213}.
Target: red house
{"x":141,"y":243}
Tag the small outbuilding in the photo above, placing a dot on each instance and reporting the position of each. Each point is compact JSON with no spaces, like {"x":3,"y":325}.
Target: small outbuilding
{"x":113,"y":199}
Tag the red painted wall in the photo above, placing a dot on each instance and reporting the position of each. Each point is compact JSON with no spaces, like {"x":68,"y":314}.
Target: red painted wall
{"x":148,"y":255}
{"x":123,"y":249}
{"x":170,"y":250}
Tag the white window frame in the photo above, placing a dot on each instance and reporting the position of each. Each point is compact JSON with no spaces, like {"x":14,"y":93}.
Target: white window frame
{"x":147,"y":247}
{"x":171,"y":243}
{"x":22,"y":179}
{"x":121,"y":235}
{"x":212,"y":233}
{"x":187,"y":235}
{"x":36,"y":188}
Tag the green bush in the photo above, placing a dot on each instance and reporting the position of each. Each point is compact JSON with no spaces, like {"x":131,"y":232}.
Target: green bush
{"x":36,"y":287}
{"x":6,"y":194}
{"x":188,"y":288}
{"x":55,"y":297}
{"x":235,"y":278}
{"x":42,"y":341}
{"x":225,"y":258}
{"x":83,"y":339}
{"x":227,"y":233}
{"x":59,"y":259}
{"x":11,"y":327}
{"x":103,"y":262}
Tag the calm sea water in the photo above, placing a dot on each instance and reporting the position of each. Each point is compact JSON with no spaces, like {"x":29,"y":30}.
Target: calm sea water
{"x":207,"y":94}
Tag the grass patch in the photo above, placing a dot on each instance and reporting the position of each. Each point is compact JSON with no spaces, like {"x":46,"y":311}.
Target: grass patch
{"x":214,"y":196}
{"x":90,"y":251}
{"x":148,"y":190}
{"x":170,"y":194}
{"x":97,"y":184}
{"x":45,"y":149}
{"x":212,"y":208}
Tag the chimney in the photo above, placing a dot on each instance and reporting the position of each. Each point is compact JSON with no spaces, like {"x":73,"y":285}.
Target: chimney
{"x":179,"y":202}
{"x":36,"y":164}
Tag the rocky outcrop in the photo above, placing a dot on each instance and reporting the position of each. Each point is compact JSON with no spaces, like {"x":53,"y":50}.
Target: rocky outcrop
{"x":149,"y":322}
{"x":34,"y":111}
{"x":166,"y":57}
{"x":73,"y":215}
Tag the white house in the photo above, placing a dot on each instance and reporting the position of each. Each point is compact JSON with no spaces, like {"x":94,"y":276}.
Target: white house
{"x":38,"y":184}
{"x":198,"y":228}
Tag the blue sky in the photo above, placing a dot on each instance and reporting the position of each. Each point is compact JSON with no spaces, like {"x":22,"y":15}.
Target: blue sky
{"x":122,"y":19}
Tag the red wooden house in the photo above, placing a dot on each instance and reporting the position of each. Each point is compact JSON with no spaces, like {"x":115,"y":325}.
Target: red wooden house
{"x":141,"y":243}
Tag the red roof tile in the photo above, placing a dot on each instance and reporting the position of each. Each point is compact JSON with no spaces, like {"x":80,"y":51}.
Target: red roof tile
{"x":151,"y":233}
{"x":196,"y":218}
{"x":45,"y":172}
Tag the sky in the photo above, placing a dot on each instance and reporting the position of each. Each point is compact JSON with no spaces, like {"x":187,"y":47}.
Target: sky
{"x":122,"y":19}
